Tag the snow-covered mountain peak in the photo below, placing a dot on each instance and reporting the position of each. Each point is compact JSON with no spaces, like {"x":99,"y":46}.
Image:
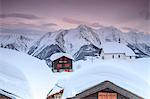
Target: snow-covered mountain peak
{"x":79,"y":42}
{"x":16,"y":42}
{"x":83,"y":26}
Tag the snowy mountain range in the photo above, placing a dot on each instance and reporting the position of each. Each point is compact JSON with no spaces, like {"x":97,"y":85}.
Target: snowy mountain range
{"x":79,"y":42}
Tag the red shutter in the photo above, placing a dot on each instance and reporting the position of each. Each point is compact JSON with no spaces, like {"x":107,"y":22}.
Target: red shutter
{"x":59,"y":66}
{"x":67,"y":65}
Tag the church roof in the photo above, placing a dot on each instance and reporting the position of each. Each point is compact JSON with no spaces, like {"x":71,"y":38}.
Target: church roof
{"x":114,"y":47}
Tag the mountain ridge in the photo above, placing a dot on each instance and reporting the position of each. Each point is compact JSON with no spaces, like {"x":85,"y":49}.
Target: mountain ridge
{"x":80,"y":42}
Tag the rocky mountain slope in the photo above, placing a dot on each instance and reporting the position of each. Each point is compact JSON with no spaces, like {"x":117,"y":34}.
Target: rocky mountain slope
{"x":80,"y":42}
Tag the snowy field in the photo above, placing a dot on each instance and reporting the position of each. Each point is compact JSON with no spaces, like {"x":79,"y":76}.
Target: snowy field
{"x":30,"y":78}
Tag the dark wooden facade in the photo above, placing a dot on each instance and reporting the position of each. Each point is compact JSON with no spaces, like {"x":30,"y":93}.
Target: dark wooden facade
{"x":62,"y":64}
{"x":106,"y":90}
{"x":56,"y":95}
{"x":4,"y":97}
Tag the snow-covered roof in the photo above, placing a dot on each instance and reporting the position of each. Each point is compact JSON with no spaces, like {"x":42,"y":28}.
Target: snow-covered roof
{"x":130,"y":76}
{"x":59,"y":55}
{"x":7,"y":94}
{"x":55,"y":90}
{"x":114,"y":47}
{"x":12,"y":82}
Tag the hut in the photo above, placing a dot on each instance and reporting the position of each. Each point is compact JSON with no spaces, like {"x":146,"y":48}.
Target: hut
{"x":6,"y":95}
{"x":103,"y":90}
{"x":61,"y":62}
{"x":55,"y":93}
{"x":115,"y":50}
{"x":106,"y":90}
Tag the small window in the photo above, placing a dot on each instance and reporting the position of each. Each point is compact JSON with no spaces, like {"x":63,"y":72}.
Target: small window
{"x":118,"y":56}
{"x":113,"y":56}
{"x":102,"y":57}
{"x":67,"y":65}
{"x":59,"y":66}
{"x":130,"y":57}
{"x":65,"y":61}
{"x":61,"y":61}
{"x":107,"y":95}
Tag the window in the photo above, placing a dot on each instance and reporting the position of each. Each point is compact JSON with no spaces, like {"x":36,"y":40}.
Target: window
{"x":59,"y":66}
{"x":67,"y":65}
{"x":130,"y":57}
{"x":113,"y":56}
{"x":118,"y":56}
{"x":102,"y":57}
{"x":61,"y":61}
{"x":107,"y":95}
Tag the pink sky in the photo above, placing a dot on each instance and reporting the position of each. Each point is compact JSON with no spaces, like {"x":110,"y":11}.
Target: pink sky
{"x":50,"y":15}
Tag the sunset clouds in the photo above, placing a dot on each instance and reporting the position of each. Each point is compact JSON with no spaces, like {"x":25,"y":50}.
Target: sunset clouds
{"x":19,"y":15}
{"x":50,"y":15}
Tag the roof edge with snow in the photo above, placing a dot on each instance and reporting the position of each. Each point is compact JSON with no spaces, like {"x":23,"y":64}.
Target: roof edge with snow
{"x":59,"y":55}
{"x":107,"y":84}
{"x":114,"y":47}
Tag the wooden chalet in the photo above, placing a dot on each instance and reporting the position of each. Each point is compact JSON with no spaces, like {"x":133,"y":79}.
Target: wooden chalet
{"x":61,"y":62}
{"x":106,"y":90}
{"x":6,"y":95}
{"x":56,"y":95}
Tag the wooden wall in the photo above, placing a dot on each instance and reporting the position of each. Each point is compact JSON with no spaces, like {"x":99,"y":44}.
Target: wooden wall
{"x":4,"y":97}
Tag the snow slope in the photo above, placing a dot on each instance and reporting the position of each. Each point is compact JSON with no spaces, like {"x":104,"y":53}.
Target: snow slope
{"x":16,"y":42}
{"x":38,"y":75}
{"x":12,"y":80}
{"x":130,"y":75}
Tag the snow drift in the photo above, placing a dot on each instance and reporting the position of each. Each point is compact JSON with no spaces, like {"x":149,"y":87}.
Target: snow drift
{"x":130,"y":75}
{"x":36,"y":75}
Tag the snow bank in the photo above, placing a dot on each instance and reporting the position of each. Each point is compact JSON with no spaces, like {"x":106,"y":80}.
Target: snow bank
{"x":12,"y":80}
{"x":132,"y":76}
{"x":38,"y":75}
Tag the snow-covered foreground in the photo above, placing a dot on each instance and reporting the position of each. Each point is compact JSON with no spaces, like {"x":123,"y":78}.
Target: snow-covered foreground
{"x":27,"y":76}
{"x":30,"y":78}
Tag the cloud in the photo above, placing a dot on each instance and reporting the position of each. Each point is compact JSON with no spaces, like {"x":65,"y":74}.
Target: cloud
{"x":78,"y":22}
{"x":20,"y":31}
{"x":23,"y":27}
{"x":145,"y":14}
{"x":19,"y":15}
{"x":128,"y":29}
{"x":74,"y":21}
{"x":96,"y":25}
{"x":49,"y":24}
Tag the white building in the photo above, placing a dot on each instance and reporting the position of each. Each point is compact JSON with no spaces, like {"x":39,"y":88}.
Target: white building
{"x":115,"y":50}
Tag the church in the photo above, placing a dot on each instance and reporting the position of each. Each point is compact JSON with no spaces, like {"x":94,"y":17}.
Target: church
{"x":115,"y":50}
